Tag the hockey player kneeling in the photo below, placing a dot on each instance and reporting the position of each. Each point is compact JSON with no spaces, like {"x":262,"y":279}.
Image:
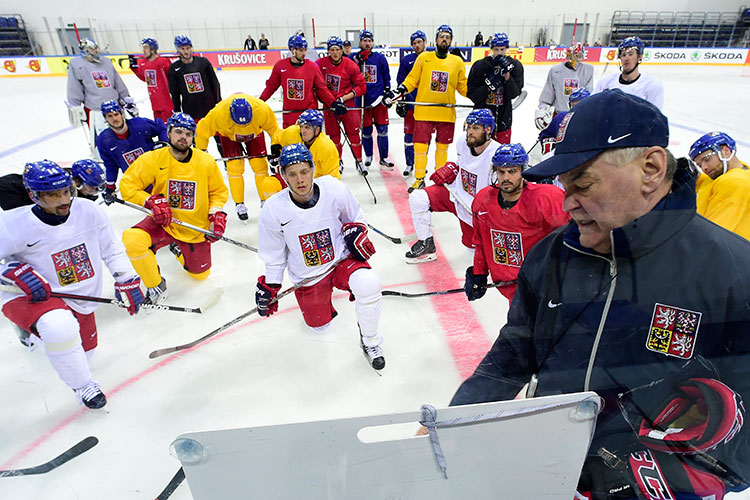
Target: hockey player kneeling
{"x":316,"y":229}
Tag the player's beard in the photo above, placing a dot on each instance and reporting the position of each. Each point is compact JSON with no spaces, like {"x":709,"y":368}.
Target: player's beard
{"x":473,"y":142}
{"x":510,"y":188}
{"x":178,"y":147}
{"x":443,"y":47}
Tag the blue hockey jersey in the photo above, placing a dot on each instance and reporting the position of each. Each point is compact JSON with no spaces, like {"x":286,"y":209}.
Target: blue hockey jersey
{"x":118,"y":154}
{"x":377,"y":76}
{"x":407,"y":63}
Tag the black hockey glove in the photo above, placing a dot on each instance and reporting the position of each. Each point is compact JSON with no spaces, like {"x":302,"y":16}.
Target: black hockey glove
{"x":475,"y":285}
{"x":339,"y":107}
{"x":402,"y":109}
{"x":389,"y":96}
{"x":505,"y":63}
{"x":133,"y":61}
{"x":494,"y":79}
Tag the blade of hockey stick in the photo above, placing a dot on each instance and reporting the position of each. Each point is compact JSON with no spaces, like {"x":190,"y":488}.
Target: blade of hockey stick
{"x":68,"y":455}
{"x":519,"y":100}
{"x":392,"y":293}
{"x":172,"y":485}
{"x":402,"y":239}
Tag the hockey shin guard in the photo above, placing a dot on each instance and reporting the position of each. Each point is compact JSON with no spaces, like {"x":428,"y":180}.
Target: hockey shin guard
{"x":382,"y":141}
{"x":409,"y":149}
{"x":420,"y":159}
{"x":441,"y":155}
{"x":367,"y":140}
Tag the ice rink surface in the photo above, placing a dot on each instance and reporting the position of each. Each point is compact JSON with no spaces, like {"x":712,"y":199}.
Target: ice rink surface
{"x":275,"y":370}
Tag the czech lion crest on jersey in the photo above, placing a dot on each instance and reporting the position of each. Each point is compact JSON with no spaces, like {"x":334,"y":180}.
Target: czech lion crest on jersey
{"x":131,"y":156}
{"x":469,"y":182}
{"x":496,"y":98}
{"x":333,"y":82}
{"x":150,"y":76}
{"x":370,"y":73}
{"x":673,"y":331}
{"x":73,"y":265}
{"x":295,"y":89}
{"x":181,"y":194}
{"x":101,"y":79}
{"x":194,"y":83}
{"x":507,"y":248}
{"x":439,"y":81}
{"x":317,"y":247}
{"x":569,"y":85}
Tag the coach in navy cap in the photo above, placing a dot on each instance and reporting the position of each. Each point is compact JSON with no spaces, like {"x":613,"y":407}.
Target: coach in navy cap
{"x":640,"y":300}
{"x":597,"y":140}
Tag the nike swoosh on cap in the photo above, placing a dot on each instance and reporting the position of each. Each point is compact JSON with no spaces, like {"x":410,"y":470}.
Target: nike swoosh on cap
{"x":612,"y":141}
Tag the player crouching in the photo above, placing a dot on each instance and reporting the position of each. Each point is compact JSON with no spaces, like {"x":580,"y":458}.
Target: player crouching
{"x":185,"y":182}
{"x":57,"y":245}
{"x":308,"y":228}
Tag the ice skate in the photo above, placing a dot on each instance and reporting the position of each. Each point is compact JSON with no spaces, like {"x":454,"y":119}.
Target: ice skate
{"x":422,"y":251}
{"x":373,"y":355}
{"x":91,"y":396}
{"x":417,"y":184}
{"x":241,"y":211}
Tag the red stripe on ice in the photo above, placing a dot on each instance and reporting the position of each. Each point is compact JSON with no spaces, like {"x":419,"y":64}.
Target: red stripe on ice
{"x":466,"y":338}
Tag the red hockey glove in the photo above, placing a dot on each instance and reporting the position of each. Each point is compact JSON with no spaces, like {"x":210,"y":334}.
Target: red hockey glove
{"x":24,"y":277}
{"x":159,"y":207}
{"x":264,"y":294}
{"x":129,"y":292}
{"x":445,"y":174}
{"x":359,"y":245}
{"x":218,"y":225}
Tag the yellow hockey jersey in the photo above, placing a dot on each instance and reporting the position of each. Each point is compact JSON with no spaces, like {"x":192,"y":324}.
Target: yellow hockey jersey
{"x":194,"y":189}
{"x":219,"y":121}
{"x":726,"y":200}
{"x":436,"y":80}
{"x":324,"y":152}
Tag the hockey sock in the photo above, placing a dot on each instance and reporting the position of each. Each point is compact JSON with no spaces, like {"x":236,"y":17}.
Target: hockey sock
{"x":269,"y":184}
{"x":235,"y":170}
{"x":60,"y":332}
{"x":420,"y":159}
{"x":137,"y":246}
{"x":367,"y":140}
{"x":441,"y":155}
{"x":382,"y":141}
{"x":356,"y":143}
{"x":419,"y":203}
{"x":365,"y":285}
{"x":409,"y":149}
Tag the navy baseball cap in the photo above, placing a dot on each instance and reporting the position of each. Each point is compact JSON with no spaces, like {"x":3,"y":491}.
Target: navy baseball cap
{"x":607,"y":120}
{"x":347,"y":43}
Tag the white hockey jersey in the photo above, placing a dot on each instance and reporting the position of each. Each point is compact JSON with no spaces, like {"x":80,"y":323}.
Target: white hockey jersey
{"x":69,"y":256}
{"x":473,"y":176}
{"x":646,"y":87}
{"x":305,"y":241}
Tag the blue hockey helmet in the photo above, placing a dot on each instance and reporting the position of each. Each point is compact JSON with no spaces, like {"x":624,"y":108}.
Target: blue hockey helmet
{"x":631,"y":41}
{"x":88,"y":47}
{"x":297,"y":42}
{"x":334,"y":41}
{"x":181,"y":120}
{"x":151,"y":42}
{"x":444,"y":28}
{"x":366,"y":34}
{"x":241,"y":111}
{"x":90,"y":173}
{"x":111,"y":106}
{"x":295,"y":153}
{"x":45,"y":175}
{"x":483,"y":117}
{"x":578,"y":94}
{"x":311,"y":117}
{"x":182,"y":41}
{"x":417,"y":35}
{"x":510,"y":155}
{"x":712,"y":141}
{"x":499,"y":40}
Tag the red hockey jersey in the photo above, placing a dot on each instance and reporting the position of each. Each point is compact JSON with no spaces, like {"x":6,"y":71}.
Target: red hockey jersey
{"x":504,"y":237}
{"x":299,"y":84}
{"x":342,"y":78}
{"x":154,"y":73}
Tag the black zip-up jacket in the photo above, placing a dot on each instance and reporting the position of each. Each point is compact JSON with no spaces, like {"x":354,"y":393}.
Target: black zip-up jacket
{"x":675,"y":298}
{"x":478,"y":91}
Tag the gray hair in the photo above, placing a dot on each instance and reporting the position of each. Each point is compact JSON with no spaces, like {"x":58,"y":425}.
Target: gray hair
{"x":621,"y":156}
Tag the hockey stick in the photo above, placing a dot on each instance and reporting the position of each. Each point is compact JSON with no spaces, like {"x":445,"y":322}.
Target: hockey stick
{"x":242,"y":157}
{"x":393,"y":293}
{"x":351,"y":148}
{"x":213,"y":299}
{"x":519,"y":100}
{"x":172,"y":485}
{"x":402,"y":239}
{"x":189,"y":226}
{"x":68,"y":455}
{"x":168,"y":350}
